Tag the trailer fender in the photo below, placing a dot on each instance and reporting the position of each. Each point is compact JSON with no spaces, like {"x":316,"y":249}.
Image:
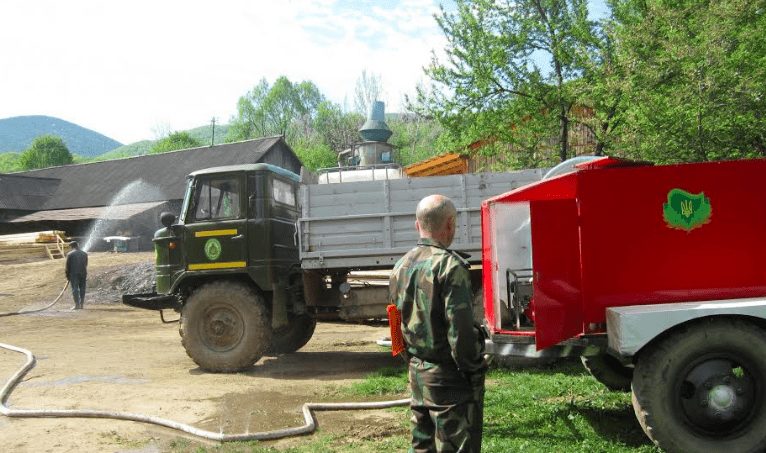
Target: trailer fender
{"x":631,"y":328}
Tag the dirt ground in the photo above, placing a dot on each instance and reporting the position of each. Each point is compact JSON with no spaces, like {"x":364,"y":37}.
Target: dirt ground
{"x":117,"y":358}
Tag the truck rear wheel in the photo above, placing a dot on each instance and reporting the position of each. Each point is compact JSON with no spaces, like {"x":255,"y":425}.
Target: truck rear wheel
{"x":294,"y":336}
{"x":703,"y":388}
{"x":225,"y":327}
{"x":609,"y":371}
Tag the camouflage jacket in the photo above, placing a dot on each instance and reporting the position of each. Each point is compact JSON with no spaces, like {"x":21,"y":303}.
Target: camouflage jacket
{"x":431,"y":287}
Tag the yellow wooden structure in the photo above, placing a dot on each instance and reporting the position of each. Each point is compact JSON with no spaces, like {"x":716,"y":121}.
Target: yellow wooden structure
{"x":445,"y":164}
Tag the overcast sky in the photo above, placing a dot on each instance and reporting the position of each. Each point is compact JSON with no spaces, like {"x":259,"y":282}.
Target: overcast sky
{"x":131,"y":69}
{"x":134,"y":69}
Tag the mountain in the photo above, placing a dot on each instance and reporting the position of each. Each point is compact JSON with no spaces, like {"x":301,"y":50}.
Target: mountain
{"x":17,"y":133}
{"x":203,"y":133}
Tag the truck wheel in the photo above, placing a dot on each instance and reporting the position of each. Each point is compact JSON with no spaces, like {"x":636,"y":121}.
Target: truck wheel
{"x":293,"y":337}
{"x":703,"y":388}
{"x":609,"y":371}
{"x":225,"y":327}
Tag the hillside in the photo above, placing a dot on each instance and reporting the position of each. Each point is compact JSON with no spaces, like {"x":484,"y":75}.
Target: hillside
{"x":17,"y":133}
{"x":203,"y":133}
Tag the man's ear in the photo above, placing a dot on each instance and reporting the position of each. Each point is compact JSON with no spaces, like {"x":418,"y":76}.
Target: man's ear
{"x":417,"y":226}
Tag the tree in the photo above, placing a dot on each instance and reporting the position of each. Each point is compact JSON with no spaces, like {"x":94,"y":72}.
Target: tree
{"x":338,"y":130}
{"x":175,"y":141}
{"x":369,"y":89}
{"x":493,"y":86}
{"x":9,"y":162}
{"x":45,"y":151}
{"x":286,"y":109}
{"x":314,"y":154}
{"x":696,"y":78}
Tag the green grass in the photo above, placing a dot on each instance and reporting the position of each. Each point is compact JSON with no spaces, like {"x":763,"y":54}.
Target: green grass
{"x":553,"y":408}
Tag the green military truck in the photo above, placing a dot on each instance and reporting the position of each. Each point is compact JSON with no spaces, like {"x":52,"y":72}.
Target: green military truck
{"x":256,"y":254}
{"x":229,"y":264}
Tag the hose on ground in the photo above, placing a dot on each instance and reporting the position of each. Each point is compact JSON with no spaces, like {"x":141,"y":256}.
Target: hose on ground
{"x":24,"y":312}
{"x":308,"y":427}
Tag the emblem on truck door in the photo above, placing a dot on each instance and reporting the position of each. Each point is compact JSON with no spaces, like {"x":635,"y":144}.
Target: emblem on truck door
{"x":212,"y":249}
{"x":686,"y":211}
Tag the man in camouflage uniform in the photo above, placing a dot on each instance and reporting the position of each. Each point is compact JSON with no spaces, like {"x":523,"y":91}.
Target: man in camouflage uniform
{"x":431,"y":287}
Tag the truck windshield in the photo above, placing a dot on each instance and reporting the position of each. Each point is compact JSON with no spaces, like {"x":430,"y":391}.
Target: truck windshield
{"x":216,"y":199}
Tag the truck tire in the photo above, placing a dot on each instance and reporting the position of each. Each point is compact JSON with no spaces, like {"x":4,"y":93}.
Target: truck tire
{"x":293,"y":337}
{"x":225,"y":327}
{"x":609,"y":371}
{"x":703,"y":388}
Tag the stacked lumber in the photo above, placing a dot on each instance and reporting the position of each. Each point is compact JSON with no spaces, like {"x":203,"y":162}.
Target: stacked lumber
{"x":37,"y":237}
{"x":25,"y":247}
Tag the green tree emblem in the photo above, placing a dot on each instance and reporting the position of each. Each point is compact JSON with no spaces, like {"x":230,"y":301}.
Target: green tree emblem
{"x":686,"y":211}
{"x":213,"y":249}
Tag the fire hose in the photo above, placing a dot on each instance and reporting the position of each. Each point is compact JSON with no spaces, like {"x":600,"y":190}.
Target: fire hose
{"x":307,"y":409}
{"x":24,"y":312}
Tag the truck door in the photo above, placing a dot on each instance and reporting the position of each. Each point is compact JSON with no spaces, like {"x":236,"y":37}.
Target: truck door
{"x":215,"y":224}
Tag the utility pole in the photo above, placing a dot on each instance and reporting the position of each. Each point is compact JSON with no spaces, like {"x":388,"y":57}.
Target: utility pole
{"x":212,"y":138}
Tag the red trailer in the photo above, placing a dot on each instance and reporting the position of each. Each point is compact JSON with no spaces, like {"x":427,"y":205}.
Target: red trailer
{"x":656,"y":275}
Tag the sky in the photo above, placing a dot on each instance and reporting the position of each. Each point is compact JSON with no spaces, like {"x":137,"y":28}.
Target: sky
{"x":139,"y":69}
{"x":134,"y":70}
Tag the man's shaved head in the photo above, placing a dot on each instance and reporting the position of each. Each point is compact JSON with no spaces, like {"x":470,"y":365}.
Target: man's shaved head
{"x":435,"y":214}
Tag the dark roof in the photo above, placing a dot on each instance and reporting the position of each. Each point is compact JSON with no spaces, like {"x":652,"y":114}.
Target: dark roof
{"x":24,"y":193}
{"x":120,"y":212}
{"x":155,"y":177}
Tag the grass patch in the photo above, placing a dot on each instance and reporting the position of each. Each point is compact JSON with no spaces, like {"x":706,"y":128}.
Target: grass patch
{"x":386,"y":381}
{"x":553,"y":408}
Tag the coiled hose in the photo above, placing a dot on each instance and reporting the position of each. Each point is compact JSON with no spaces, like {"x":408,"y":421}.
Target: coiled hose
{"x":308,"y":427}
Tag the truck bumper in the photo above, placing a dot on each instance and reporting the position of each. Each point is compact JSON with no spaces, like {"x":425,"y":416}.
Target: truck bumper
{"x":152,"y":301}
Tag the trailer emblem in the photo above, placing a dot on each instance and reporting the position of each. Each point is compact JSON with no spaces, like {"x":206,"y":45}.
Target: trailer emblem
{"x":686,"y":211}
{"x":212,"y":249}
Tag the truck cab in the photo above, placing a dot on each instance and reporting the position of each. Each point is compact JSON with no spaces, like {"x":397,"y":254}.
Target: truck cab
{"x":229,"y":265}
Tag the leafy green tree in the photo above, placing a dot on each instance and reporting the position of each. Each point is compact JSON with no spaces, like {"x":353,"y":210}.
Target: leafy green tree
{"x":175,"y":141}
{"x":45,"y":151}
{"x":286,"y":109}
{"x":9,"y":162}
{"x":696,"y":78}
{"x":602,"y":86}
{"x":414,"y":137}
{"x":337,"y":129}
{"x":314,"y":154}
{"x":492,"y":84}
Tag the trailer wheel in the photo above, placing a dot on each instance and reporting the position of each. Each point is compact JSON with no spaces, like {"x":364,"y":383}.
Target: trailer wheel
{"x":225,"y":327}
{"x":703,"y":388}
{"x":293,"y":337}
{"x":609,"y":371}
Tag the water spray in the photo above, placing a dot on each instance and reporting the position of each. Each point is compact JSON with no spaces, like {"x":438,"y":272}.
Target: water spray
{"x":137,"y":190}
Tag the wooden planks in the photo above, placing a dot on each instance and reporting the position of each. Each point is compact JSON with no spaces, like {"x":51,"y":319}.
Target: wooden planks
{"x":34,"y":246}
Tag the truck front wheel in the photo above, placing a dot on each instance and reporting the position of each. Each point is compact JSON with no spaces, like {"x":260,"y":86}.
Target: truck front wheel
{"x":225,"y":327}
{"x":703,"y":388}
{"x":294,"y":336}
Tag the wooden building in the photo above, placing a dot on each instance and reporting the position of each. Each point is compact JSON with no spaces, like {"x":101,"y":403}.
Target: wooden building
{"x":128,"y":194}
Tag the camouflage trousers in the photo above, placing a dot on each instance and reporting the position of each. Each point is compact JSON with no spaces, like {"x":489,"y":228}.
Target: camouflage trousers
{"x":447,"y":408}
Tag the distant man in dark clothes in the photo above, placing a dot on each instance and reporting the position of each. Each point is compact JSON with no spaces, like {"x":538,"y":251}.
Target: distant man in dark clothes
{"x":76,"y":273}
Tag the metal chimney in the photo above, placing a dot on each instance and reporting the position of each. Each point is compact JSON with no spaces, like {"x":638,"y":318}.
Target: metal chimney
{"x":375,"y":128}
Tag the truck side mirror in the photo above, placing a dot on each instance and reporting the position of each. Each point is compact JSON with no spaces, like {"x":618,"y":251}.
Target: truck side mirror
{"x":167,"y":219}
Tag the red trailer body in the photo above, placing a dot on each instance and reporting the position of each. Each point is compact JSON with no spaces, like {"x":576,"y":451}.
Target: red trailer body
{"x":618,"y":233}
